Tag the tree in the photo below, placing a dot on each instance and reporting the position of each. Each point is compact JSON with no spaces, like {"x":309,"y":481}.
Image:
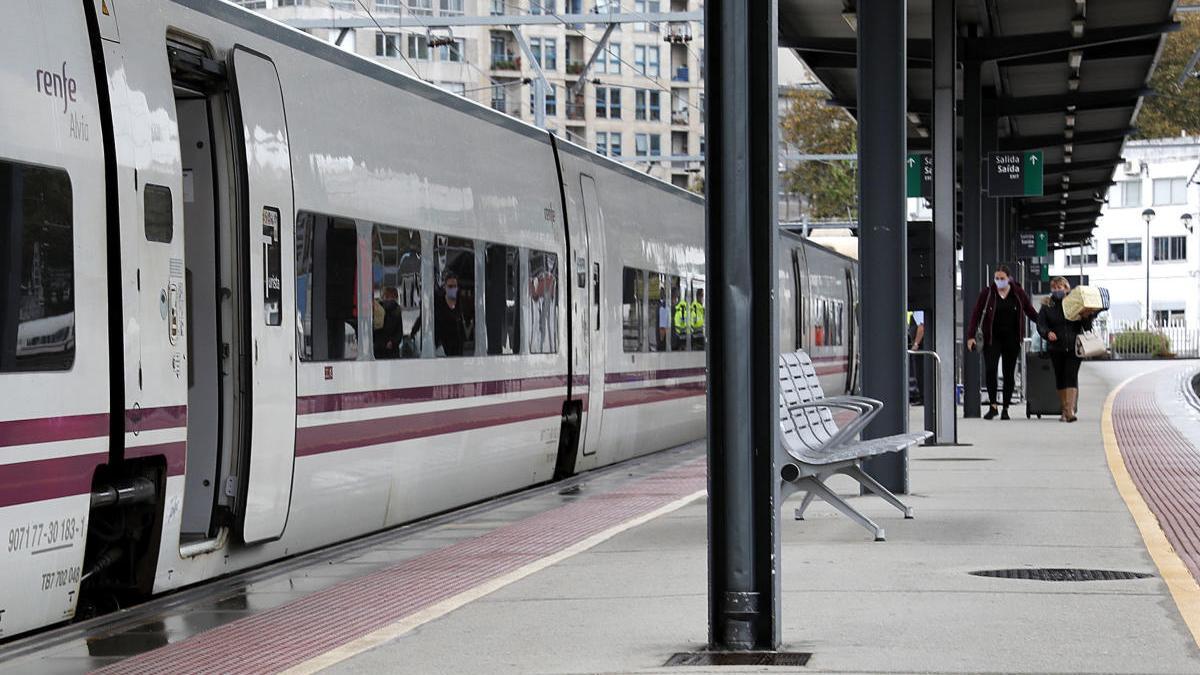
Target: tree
{"x":1174,"y":109}
{"x":811,"y":126}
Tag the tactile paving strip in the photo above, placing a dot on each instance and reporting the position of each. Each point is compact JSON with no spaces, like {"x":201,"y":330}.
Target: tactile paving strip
{"x":1164,"y":464}
{"x":277,"y":639}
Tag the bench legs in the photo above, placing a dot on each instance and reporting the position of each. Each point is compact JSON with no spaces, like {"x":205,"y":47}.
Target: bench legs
{"x":855,"y":471}
{"x":815,"y":487}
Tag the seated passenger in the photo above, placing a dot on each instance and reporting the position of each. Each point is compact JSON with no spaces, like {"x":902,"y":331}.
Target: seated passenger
{"x":391,"y":332}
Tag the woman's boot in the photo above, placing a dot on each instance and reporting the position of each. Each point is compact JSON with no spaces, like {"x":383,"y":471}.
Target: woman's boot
{"x":1062,"y":405}
{"x":1069,"y":408}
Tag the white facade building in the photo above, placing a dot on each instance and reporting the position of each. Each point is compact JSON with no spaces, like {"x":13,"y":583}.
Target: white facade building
{"x":641,"y":102}
{"x":1161,"y":175}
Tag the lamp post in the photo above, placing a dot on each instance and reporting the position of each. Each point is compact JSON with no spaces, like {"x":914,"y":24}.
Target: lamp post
{"x":1148,"y":251}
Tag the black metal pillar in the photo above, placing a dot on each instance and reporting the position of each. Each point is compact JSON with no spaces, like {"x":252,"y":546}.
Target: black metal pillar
{"x":972,"y":270}
{"x":944,"y":255}
{"x":743,"y":376}
{"x":882,"y":89}
{"x":989,"y":221}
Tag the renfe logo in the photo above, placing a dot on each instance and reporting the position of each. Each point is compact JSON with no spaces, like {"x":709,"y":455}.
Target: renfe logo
{"x":57,"y":85}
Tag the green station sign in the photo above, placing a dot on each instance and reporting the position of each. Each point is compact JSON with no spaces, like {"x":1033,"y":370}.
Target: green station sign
{"x":919,"y":170}
{"x":1015,"y":174}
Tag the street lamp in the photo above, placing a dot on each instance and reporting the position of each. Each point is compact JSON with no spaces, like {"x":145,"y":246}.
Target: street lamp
{"x":1148,"y":251}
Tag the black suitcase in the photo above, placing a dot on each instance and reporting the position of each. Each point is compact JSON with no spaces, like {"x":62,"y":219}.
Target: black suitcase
{"x":1041,"y":396}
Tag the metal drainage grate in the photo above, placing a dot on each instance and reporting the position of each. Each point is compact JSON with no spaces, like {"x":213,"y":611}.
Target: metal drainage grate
{"x":1061,"y":574}
{"x":739,"y":659}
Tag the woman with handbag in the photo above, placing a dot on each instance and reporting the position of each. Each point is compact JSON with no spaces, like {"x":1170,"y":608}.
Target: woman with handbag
{"x":1061,"y":335}
{"x":1000,"y":312}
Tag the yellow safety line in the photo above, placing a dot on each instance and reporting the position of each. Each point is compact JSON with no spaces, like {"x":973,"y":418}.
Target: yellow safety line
{"x":1182,"y":585}
{"x":399,"y":628}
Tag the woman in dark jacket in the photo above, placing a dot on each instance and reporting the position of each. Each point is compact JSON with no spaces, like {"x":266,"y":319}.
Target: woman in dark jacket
{"x":998,"y":311}
{"x":1060,"y":333}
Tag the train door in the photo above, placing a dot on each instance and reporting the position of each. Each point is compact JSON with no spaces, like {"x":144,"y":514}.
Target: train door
{"x":851,"y":330}
{"x":593,"y":337}
{"x":267,"y":222}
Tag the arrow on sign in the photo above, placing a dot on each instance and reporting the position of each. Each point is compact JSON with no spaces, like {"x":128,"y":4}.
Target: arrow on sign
{"x":911,"y":162}
{"x":1033,"y":159}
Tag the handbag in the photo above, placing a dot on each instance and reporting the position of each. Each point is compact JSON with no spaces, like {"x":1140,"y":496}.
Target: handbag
{"x":1089,"y":345}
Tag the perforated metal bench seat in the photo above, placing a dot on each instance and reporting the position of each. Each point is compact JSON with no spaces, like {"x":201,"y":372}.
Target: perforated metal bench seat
{"x":814,"y":447}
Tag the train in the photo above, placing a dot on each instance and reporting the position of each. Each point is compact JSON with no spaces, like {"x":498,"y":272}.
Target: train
{"x":259,"y":296}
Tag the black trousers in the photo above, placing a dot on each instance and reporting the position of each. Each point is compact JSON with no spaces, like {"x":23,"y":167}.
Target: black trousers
{"x":1066,"y":369}
{"x":993,"y":355}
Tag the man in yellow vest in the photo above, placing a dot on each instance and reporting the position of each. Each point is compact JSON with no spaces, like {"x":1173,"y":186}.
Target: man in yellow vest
{"x":697,"y":320}
{"x":681,"y":320}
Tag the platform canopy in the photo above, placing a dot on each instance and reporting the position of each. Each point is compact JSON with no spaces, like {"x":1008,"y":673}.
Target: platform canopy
{"x":1066,"y":77}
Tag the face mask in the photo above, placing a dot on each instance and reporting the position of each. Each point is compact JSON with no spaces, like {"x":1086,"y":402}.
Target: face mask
{"x":1001,"y":283}
{"x":1058,"y":295}
{"x":452,"y":293}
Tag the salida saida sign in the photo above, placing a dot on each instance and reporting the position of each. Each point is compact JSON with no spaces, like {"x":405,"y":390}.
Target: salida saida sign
{"x":1015,"y":174}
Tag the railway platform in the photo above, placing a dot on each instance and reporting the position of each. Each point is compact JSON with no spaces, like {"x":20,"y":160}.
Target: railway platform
{"x":607,"y":572}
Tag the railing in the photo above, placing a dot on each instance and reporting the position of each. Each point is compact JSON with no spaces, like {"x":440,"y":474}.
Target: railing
{"x":575,"y":111}
{"x":679,"y":117}
{"x":1134,"y":340}
{"x":574,"y":68}
{"x":681,"y":74}
{"x":508,"y":62}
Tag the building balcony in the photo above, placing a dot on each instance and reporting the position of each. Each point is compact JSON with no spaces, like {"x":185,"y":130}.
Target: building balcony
{"x":680,"y":75}
{"x":679,"y":116}
{"x":678,"y":32}
{"x":575,"y":111}
{"x":506,"y":62}
{"x":574,"y":68}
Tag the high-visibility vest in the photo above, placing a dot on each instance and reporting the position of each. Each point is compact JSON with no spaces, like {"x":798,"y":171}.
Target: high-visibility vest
{"x":681,"y":316}
{"x":697,"y":315}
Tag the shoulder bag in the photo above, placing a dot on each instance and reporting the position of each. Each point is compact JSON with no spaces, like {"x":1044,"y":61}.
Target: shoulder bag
{"x":1089,"y":345}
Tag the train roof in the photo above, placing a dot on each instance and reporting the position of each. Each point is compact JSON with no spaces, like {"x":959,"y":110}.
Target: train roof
{"x":286,"y":35}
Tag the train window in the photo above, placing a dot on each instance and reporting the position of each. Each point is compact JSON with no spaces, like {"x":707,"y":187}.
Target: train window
{"x":679,"y":315}
{"x":633,"y":293}
{"x":396,"y":292}
{"x":454,"y":299}
{"x":543,"y":305}
{"x":326,"y":287}
{"x":696,"y":321}
{"x":160,"y":223}
{"x":502,"y":298}
{"x":659,"y":314}
{"x":37,"y":269}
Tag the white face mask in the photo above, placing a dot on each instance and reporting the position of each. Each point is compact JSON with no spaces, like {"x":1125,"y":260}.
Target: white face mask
{"x":452,"y":293}
{"x":1001,"y":283}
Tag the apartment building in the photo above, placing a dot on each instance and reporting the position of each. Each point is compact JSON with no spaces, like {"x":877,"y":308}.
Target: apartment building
{"x":640,"y":103}
{"x":1162,"y":176}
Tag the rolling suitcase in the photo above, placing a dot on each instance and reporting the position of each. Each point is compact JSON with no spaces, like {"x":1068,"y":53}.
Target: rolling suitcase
{"x":1041,"y":396}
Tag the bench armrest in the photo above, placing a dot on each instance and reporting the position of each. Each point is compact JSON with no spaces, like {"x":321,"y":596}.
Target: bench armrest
{"x":866,"y":408}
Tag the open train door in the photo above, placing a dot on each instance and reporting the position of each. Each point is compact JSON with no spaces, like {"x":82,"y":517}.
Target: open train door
{"x":593,"y":340}
{"x":270,"y":334}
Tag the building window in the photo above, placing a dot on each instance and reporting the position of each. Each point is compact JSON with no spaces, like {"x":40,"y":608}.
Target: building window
{"x":454,"y":87}
{"x":543,"y":303}
{"x":1170,"y":317}
{"x":541,"y":6}
{"x":416,"y":7}
{"x":1082,"y":256}
{"x":498,"y":7}
{"x":644,"y":7}
{"x":418,"y":47}
{"x":1170,"y":249}
{"x":609,"y":61}
{"x":253,"y":4}
{"x":608,"y":102}
{"x":1122,"y":251}
{"x":453,"y":53}
{"x":1131,"y":193}
{"x":545,"y":52}
{"x":451,"y":7}
{"x":551,"y":99}
{"x":646,"y":105}
{"x":500,"y":98}
{"x":388,"y":6}
{"x":1169,"y":191}
{"x":602,"y":142}
{"x":647,"y":145}
{"x":387,"y":44}
{"x":614,"y":144}
{"x":37,"y":277}
{"x":645,"y":60}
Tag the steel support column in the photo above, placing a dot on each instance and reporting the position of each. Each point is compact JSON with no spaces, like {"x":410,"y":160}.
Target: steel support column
{"x":945,"y":38}
{"x":989,"y":220}
{"x":882,"y":91}
{"x":743,"y":376}
{"x":972,"y":270}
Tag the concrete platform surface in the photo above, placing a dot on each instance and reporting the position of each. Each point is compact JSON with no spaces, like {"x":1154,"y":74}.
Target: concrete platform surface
{"x":1026,"y":493}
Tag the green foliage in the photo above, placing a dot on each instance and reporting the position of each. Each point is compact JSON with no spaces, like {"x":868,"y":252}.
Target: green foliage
{"x":1131,"y":342}
{"x":812,"y":127}
{"x":1174,"y":109}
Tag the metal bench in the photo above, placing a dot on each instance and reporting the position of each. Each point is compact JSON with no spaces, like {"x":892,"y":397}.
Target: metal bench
{"x":812,"y":447}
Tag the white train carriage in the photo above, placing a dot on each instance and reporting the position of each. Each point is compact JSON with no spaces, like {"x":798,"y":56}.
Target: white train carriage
{"x":260,"y":295}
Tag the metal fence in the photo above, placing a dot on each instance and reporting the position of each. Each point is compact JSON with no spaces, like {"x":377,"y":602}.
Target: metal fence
{"x":1139,"y":340}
